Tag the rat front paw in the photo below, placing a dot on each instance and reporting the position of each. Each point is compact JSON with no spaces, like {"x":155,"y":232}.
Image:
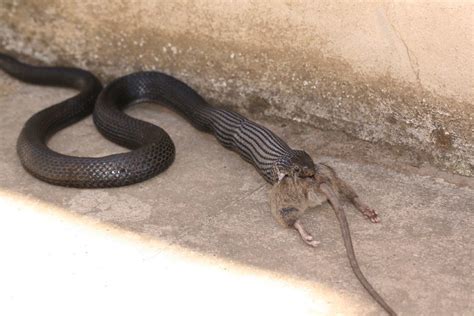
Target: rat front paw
{"x":307,"y":238}
{"x":311,"y":241}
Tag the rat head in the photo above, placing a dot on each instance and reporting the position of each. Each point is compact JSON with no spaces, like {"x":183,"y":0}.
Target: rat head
{"x":297,"y":164}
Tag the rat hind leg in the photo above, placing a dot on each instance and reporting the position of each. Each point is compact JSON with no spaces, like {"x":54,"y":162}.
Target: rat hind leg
{"x":348,"y":192}
{"x":366,"y":210}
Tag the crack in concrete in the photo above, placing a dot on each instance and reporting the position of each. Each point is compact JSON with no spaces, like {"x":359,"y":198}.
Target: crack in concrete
{"x":411,"y":58}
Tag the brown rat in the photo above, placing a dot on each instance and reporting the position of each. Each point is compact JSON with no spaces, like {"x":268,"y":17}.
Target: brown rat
{"x":301,"y":186}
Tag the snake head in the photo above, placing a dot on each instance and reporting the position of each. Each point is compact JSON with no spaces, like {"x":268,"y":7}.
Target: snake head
{"x":297,"y":164}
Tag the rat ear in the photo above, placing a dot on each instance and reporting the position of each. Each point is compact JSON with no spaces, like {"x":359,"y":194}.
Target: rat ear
{"x":281,"y":175}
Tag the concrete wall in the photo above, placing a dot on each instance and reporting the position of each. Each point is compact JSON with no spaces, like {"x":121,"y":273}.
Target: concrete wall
{"x":393,"y":73}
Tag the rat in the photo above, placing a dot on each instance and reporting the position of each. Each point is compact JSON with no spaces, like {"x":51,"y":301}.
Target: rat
{"x":304,"y":184}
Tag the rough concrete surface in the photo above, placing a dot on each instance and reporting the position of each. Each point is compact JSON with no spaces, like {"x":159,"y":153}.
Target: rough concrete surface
{"x":392,"y":73}
{"x":212,"y":202}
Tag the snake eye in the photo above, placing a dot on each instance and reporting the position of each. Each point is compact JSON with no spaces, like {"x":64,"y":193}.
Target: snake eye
{"x":297,"y":169}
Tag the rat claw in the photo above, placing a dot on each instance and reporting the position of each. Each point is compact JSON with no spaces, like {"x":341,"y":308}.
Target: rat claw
{"x":308,"y":239}
{"x":371,"y":214}
{"x":312,"y":243}
{"x":368,"y":212}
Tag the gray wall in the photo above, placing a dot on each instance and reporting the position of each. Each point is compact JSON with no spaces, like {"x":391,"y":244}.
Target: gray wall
{"x":396,"y":74}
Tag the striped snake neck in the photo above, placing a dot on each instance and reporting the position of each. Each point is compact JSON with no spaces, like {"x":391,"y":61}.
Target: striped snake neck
{"x":254,"y":143}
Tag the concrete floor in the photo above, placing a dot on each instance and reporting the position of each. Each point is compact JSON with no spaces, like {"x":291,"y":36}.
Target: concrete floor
{"x":212,"y":203}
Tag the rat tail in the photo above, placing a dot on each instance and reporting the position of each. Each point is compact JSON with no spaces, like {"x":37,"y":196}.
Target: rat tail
{"x":346,"y":236}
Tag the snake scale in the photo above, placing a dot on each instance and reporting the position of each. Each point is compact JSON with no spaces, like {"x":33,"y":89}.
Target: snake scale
{"x":152,"y":151}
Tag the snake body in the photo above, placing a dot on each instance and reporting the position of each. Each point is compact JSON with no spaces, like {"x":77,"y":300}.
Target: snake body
{"x":152,"y":150}
{"x":253,"y":142}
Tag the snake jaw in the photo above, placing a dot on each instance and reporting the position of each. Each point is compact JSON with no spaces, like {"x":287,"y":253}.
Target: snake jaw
{"x":296,"y":164}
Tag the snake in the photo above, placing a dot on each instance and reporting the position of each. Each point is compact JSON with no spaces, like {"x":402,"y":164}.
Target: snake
{"x":151,"y":150}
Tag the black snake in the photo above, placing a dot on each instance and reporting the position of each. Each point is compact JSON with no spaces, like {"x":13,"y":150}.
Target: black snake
{"x":151,"y":149}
